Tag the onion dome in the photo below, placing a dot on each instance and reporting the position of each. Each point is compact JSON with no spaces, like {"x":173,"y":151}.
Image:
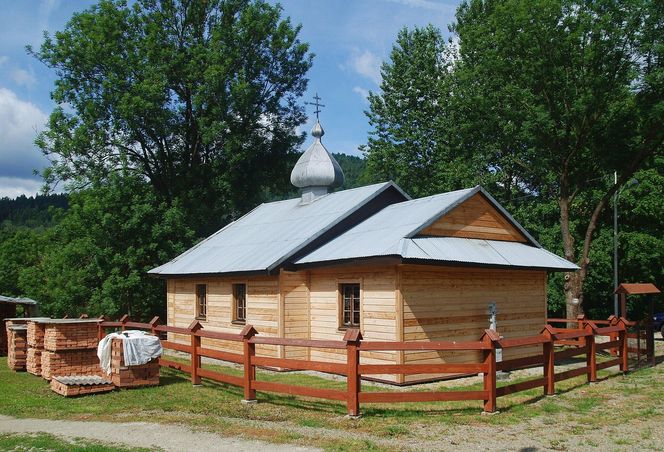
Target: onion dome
{"x":317,"y":171}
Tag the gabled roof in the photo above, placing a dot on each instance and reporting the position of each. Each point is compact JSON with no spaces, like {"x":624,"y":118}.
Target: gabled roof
{"x":394,"y":232}
{"x":270,"y":234}
{"x":637,"y":288}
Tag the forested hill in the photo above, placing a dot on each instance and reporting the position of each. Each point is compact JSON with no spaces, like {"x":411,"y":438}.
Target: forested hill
{"x":354,"y":170}
{"x":33,"y":211}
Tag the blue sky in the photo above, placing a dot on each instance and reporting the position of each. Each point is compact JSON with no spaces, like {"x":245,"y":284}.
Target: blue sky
{"x":350,"y":39}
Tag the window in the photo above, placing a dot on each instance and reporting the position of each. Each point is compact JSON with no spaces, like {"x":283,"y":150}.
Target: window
{"x":201,"y":301}
{"x":239,"y":303}
{"x":350,"y":305}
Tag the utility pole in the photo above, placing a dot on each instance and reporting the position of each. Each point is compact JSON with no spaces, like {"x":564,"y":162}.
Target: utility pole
{"x":615,"y":246}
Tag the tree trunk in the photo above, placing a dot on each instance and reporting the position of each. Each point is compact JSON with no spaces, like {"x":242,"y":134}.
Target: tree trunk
{"x":573,"y":280}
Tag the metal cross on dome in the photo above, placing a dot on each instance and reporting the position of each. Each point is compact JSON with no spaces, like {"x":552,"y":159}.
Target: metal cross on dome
{"x":317,"y":104}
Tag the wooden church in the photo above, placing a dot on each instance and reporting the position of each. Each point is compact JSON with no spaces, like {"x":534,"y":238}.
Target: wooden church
{"x":400,"y":269}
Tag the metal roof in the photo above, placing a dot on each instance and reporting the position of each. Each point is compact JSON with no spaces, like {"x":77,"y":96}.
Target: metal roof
{"x":67,"y":321}
{"x":15,"y":300}
{"x":271,"y":233}
{"x":82,"y":380}
{"x":393,"y":232}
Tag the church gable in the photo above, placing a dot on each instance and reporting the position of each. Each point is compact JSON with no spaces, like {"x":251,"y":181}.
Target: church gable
{"x":475,"y":218}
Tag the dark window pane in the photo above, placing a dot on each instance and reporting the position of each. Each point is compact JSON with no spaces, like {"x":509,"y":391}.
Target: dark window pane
{"x":201,"y":300}
{"x":240,"y":299}
{"x":350,"y":294}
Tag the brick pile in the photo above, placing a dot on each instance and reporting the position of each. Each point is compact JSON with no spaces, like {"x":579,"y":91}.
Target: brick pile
{"x":70,"y":348}
{"x":73,"y":386}
{"x":131,"y":376}
{"x":16,"y":347}
{"x":36,"y":331}
{"x":66,"y":336}
{"x":33,"y":361}
{"x":69,"y":362}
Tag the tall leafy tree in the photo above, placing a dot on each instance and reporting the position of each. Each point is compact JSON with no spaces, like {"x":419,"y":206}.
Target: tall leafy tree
{"x":198,"y":97}
{"x":413,"y":136}
{"x":543,"y":100}
{"x":570,"y":91}
{"x":95,"y":260}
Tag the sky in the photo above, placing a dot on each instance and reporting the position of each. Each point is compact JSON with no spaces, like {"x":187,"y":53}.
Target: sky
{"x":350,"y":40}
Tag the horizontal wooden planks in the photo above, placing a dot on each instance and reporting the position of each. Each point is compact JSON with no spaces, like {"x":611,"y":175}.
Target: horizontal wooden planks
{"x":393,"y":397}
{"x":224,"y":378}
{"x":332,"y":394}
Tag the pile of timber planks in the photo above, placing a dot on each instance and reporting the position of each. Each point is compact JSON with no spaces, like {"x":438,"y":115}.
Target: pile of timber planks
{"x":131,"y":376}
{"x":16,"y":346}
{"x":71,"y":386}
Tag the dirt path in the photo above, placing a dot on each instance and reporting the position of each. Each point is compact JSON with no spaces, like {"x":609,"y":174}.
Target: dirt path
{"x":140,"y":434}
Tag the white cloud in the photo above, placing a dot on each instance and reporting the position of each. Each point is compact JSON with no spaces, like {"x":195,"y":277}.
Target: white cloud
{"x":3,"y":59}
{"x":367,"y":64}
{"x":363,"y":93}
{"x":20,"y":121}
{"x":11,"y":187}
{"x":424,"y":4}
{"x":24,"y":78}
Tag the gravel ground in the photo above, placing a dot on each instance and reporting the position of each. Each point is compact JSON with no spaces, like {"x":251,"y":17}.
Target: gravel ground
{"x":140,"y":434}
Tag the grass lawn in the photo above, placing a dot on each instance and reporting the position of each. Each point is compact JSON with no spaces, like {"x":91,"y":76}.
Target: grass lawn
{"x":216,"y":407}
{"x":42,"y":441}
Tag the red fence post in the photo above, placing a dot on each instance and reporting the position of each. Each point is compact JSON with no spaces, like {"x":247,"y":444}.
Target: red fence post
{"x":624,"y":353}
{"x":195,"y":357}
{"x":591,"y":352}
{"x":249,"y":368}
{"x":124,"y":319}
{"x":153,"y":325}
{"x":101,"y":331}
{"x":613,"y":321}
{"x":549,"y":361}
{"x":490,"y":338}
{"x":353,"y":383}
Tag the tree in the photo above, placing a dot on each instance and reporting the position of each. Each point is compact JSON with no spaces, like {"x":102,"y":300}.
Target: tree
{"x":413,"y":136}
{"x":545,"y":99}
{"x":200,"y":98}
{"x":95,"y":260}
{"x":571,"y":91}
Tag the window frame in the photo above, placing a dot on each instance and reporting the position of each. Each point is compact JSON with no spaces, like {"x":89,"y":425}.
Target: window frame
{"x":340,"y":291}
{"x":234,"y":303}
{"x":200,"y":316}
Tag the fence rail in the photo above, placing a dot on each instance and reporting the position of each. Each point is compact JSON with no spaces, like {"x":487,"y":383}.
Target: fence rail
{"x":583,"y":340}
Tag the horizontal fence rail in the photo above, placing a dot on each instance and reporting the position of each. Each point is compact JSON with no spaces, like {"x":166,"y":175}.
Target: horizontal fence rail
{"x":581,"y":343}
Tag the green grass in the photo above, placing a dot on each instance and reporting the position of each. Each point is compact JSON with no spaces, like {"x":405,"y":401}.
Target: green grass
{"x":45,"y":442}
{"x":216,"y":407}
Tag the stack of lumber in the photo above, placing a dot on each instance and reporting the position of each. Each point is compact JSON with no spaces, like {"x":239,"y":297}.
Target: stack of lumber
{"x":72,"y":386}
{"x":124,"y":376}
{"x":35,"y":347}
{"x":16,"y":346}
{"x":70,"y":348}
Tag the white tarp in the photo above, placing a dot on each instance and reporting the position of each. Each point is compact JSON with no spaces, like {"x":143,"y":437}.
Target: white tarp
{"x":139,"y":348}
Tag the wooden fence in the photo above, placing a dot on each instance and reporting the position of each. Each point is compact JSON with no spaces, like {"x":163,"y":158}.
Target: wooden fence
{"x":582,"y":339}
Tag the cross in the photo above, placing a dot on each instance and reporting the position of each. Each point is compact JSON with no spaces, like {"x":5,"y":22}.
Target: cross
{"x":317,"y":104}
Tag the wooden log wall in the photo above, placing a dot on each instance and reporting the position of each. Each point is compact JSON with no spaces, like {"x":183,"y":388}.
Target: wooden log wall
{"x":262,"y":308}
{"x":451,"y":304}
{"x":378,"y":317}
